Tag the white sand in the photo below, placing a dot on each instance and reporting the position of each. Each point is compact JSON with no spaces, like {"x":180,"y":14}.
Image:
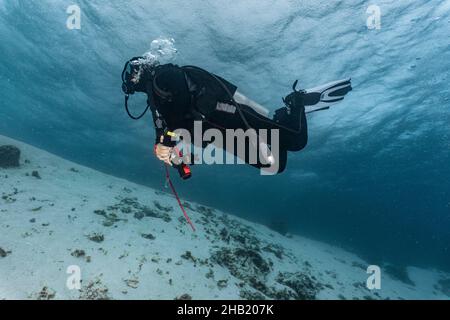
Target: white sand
{"x":43,"y":221}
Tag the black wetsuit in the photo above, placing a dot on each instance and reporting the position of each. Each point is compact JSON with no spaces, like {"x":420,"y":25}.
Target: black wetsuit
{"x":181,"y":95}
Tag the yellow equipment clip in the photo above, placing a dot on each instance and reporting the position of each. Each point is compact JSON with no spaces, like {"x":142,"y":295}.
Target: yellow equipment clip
{"x":171,"y":134}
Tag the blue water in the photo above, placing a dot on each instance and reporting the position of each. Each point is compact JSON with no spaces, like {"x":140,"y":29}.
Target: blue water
{"x":375,"y":177}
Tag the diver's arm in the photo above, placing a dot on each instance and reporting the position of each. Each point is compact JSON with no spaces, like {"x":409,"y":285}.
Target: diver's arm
{"x":159,"y":125}
{"x":161,"y":148}
{"x":162,"y":151}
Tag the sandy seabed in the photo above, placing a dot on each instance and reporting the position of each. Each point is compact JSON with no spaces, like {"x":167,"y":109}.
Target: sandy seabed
{"x":131,"y":242}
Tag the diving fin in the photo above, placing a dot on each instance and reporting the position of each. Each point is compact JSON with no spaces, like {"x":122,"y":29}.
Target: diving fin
{"x":323,"y":97}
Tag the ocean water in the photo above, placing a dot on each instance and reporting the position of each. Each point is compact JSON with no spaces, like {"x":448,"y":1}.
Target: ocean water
{"x":375,"y":176}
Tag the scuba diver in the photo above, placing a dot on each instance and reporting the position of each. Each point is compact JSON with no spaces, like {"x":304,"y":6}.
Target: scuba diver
{"x":179,"y":96}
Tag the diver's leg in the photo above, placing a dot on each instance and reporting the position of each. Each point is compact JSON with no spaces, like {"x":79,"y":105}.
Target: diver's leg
{"x":291,"y":123}
{"x":288,"y":139}
{"x":243,"y":100}
{"x":294,"y":125}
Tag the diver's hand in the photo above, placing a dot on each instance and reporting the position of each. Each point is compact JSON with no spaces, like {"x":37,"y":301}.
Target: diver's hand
{"x":163,"y":153}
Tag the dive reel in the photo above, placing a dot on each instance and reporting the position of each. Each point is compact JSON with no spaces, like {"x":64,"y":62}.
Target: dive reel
{"x":177,"y":158}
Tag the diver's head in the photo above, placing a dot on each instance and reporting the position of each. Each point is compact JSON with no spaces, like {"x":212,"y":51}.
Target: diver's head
{"x":136,"y":73}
